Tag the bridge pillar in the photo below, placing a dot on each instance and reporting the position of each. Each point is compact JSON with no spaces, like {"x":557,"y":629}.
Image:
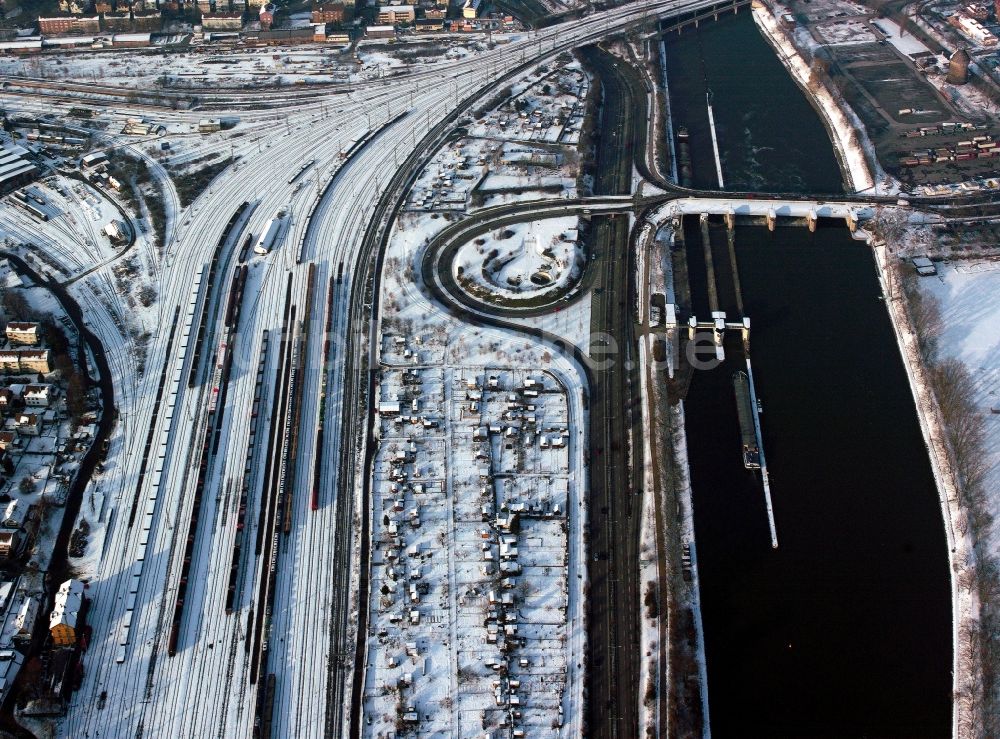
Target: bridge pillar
{"x":745,"y":331}
{"x":812,"y":220}
{"x":772,"y":218}
{"x":692,"y":327}
{"x":731,"y":220}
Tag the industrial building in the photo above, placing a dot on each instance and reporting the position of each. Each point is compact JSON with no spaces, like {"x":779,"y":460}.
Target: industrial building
{"x":15,"y":169}
{"x":328,"y":13}
{"x":380,"y":32}
{"x":393,"y":14}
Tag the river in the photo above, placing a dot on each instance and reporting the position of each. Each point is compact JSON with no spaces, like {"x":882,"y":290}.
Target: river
{"x":845,"y":629}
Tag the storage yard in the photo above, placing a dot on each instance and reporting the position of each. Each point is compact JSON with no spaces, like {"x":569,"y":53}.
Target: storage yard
{"x":477,"y":566}
{"x":470,"y":571}
{"x":929,"y":126}
{"x":522,"y":147}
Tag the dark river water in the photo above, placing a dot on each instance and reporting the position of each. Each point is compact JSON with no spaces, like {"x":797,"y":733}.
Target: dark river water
{"x":844,"y":630}
{"x":770,"y":137}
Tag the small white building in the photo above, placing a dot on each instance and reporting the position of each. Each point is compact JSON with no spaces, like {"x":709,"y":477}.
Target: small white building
{"x":14,"y":515}
{"x":24,"y":622}
{"x":38,"y":396}
{"x":29,"y":424}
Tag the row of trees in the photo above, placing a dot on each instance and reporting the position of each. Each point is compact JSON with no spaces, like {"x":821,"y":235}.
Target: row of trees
{"x":964,"y":426}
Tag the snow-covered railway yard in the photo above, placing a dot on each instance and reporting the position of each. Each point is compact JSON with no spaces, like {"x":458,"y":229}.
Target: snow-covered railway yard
{"x":72,"y":239}
{"x":150,"y":672}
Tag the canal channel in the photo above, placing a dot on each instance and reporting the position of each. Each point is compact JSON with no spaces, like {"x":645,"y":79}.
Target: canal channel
{"x":845,"y":629}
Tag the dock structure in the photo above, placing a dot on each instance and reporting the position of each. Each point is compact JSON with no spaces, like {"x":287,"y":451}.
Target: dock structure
{"x":706,"y":245}
{"x":763,"y":463}
{"x":715,"y":140}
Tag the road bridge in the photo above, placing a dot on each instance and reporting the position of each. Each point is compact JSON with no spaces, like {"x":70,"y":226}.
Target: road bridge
{"x":854,"y":212}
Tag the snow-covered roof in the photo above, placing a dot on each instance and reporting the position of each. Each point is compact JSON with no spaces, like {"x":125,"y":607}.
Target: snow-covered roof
{"x":21,"y":44}
{"x":26,"y":615}
{"x":69,"y":40}
{"x":68,"y":601}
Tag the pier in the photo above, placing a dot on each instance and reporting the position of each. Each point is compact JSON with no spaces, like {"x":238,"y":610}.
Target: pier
{"x":743,"y":382}
{"x":715,"y":140}
{"x":763,"y":462}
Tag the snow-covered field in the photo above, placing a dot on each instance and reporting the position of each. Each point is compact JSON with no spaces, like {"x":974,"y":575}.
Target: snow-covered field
{"x":522,"y":259}
{"x":547,"y":108}
{"x":968,"y":293}
{"x":470,"y":559}
{"x":906,"y":43}
{"x":524,"y":147}
{"x":849,"y":31}
{"x":476,"y":614}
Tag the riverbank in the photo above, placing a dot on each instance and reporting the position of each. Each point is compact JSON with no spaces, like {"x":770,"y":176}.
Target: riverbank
{"x":673,"y":674}
{"x":844,"y":132}
{"x":962,"y":557}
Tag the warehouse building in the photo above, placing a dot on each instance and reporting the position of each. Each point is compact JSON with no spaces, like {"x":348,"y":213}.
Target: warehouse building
{"x":15,"y":169}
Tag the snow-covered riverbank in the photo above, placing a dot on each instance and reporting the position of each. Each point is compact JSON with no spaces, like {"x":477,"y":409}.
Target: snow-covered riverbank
{"x":844,"y":132}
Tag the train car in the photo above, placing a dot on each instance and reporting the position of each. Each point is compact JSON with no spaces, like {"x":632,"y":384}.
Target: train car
{"x":263,"y":724}
{"x":245,"y":249}
{"x":268,"y":236}
{"x":37,"y":212}
{"x":301,"y":171}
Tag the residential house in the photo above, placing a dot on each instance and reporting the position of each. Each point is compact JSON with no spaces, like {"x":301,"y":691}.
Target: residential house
{"x":328,"y":13}
{"x":57,"y":26}
{"x":393,"y":14}
{"x":29,"y":424}
{"x":21,"y":332}
{"x":64,"y":621}
{"x":25,"y":620}
{"x":38,"y":396}
{"x":222,"y":21}
{"x":9,"y":543}
{"x":32,"y":360}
